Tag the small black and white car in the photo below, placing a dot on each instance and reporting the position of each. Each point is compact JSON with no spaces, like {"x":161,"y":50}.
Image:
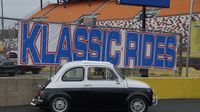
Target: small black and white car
{"x":92,"y":84}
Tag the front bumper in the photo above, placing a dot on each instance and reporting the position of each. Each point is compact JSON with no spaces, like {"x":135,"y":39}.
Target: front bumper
{"x":155,"y":101}
{"x":36,"y":101}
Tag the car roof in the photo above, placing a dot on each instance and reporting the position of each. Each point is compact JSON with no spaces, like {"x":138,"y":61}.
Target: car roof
{"x":80,"y":64}
{"x":84,"y":63}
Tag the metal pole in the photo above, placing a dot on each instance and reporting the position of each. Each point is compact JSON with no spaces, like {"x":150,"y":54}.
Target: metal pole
{"x":143,"y":18}
{"x":89,"y":2}
{"x":50,"y":73}
{"x":58,"y":2}
{"x":180,"y":57}
{"x":144,"y":72}
{"x":41,"y":4}
{"x":65,"y":3}
{"x":189,"y":36}
{"x":2,"y":19}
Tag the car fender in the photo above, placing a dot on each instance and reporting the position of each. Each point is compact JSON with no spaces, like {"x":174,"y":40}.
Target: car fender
{"x":51,"y":95}
{"x":138,"y":94}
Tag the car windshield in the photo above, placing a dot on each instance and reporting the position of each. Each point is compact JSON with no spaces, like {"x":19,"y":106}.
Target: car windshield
{"x":2,"y":58}
{"x":119,"y":72}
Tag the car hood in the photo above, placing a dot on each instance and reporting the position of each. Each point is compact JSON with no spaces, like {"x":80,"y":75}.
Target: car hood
{"x":136,"y":84}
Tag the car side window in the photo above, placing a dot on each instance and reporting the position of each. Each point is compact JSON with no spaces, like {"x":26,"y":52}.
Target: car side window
{"x":98,"y":73}
{"x":74,"y":74}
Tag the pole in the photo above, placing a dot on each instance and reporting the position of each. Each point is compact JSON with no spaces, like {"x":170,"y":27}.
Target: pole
{"x":2,"y":19}
{"x":144,"y":72}
{"x":58,"y":2}
{"x":189,"y":36}
{"x":41,"y":4}
{"x":143,"y":17}
{"x":65,"y":3}
{"x":89,"y":2}
{"x":180,"y":57}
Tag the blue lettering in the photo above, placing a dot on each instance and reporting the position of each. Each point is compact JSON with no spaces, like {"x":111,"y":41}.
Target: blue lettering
{"x":28,"y":42}
{"x":47,"y":58}
{"x":113,"y":36}
{"x":94,"y":45}
{"x":140,"y":49}
{"x":131,"y":48}
{"x":148,"y":50}
{"x":64,"y":46}
{"x":160,"y":52}
{"x":80,"y":43}
{"x":170,"y":53}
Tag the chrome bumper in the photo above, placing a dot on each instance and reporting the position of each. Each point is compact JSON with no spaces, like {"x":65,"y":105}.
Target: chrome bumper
{"x":155,"y":101}
{"x":36,"y":101}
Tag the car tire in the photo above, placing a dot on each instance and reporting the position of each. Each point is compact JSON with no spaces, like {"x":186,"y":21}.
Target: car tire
{"x":21,"y":72}
{"x":59,"y":104}
{"x":137,"y":104}
{"x":11,"y":74}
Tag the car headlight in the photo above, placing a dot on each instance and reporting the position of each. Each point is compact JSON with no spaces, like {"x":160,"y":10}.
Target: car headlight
{"x":1,"y":63}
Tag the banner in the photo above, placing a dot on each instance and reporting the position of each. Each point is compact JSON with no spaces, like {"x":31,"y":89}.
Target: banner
{"x":55,"y":44}
{"x":149,"y":3}
{"x":195,"y":37}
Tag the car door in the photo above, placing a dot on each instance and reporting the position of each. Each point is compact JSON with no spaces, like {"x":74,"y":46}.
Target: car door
{"x":103,"y":87}
{"x":73,"y":85}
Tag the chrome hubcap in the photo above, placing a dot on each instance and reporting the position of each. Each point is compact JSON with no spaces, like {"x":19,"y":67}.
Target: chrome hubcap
{"x":59,"y":104}
{"x":137,"y":105}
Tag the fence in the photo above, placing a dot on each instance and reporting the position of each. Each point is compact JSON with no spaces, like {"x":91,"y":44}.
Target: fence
{"x":162,"y":21}
{"x":9,"y":34}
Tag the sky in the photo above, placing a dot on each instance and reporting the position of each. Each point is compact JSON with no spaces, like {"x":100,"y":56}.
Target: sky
{"x":21,"y":8}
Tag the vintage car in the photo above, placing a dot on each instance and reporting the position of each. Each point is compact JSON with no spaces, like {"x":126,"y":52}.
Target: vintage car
{"x":22,"y":69}
{"x":7,"y":66}
{"x":92,"y":84}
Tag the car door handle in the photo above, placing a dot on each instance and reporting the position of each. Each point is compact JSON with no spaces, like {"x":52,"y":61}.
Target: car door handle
{"x":88,"y":85}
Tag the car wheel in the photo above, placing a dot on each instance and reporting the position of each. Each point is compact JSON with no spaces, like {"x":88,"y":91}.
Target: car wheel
{"x":11,"y":74}
{"x":21,"y":72}
{"x":59,"y":104}
{"x":137,"y":104}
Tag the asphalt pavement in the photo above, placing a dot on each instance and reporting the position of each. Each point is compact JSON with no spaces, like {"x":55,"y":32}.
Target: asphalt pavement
{"x":184,"y":105}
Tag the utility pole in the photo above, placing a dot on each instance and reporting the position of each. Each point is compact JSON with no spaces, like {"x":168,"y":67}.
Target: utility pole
{"x":2,"y":16}
{"x":65,"y":3}
{"x":58,"y":2}
{"x":144,"y":72}
{"x":89,"y":2}
{"x":41,"y":4}
{"x":143,"y":17}
{"x":189,"y":36}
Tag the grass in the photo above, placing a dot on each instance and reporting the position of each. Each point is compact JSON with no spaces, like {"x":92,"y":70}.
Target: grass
{"x":192,"y":72}
{"x":192,"y":55}
{"x":46,"y":69}
{"x":160,"y":73}
{"x":171,"y":73}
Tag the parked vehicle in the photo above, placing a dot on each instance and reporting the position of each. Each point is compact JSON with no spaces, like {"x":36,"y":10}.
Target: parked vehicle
{"x":7,"y":66}
{"x":193,"y":62}
{"x":91,"y":84}
{"x":12,"y":55}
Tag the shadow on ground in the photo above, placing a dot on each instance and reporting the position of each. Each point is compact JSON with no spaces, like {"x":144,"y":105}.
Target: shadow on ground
{"x":186,"y":105}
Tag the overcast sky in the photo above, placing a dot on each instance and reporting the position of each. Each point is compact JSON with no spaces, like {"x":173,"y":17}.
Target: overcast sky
{"x":20,"y":8}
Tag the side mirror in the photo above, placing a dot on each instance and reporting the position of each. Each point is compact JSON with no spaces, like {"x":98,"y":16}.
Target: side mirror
{"x":117,"y":81}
